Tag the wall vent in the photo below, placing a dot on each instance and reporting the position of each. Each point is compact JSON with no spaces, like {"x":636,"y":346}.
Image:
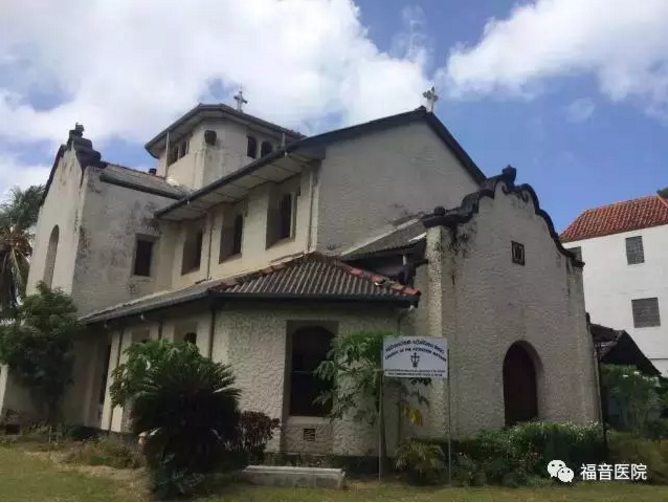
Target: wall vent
{"x":309,"y":434}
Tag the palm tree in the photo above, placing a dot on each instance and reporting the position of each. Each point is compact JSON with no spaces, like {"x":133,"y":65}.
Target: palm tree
{"x":18,"y":214}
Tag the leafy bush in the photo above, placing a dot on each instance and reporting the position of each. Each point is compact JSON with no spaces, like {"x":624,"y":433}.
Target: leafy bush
{"x":422,"y":461}
{"x":37,"y":346}
{"x":185,"y":407}
{"x":635,"y":398}
{"x":255,"y":430}
{"x":519,"y":454}
{"x":629,"y":448}
{"x":107,"y":452}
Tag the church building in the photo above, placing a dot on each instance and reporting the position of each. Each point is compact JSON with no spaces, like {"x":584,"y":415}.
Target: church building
{"x":261,"y":245}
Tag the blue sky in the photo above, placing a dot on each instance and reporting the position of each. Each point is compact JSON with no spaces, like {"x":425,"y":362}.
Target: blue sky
{"x":584,"y":122}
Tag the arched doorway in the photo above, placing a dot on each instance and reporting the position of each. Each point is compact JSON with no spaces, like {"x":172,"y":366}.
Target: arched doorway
{"x":520,"y":388}
{"x":51,"y":253}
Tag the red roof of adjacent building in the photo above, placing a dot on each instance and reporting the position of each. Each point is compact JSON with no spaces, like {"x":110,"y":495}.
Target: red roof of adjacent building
{"x":624,"y":216}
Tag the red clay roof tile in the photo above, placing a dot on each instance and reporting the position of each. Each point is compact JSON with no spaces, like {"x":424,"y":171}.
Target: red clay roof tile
{"x":624,"y":216}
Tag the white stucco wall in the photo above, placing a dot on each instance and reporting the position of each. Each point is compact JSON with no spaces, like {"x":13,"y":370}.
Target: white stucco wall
{"x":611,"y":284}
{"x":367,"y":182}
{"x":483,"y":303}
{"x":62,"y":207}
{"x":252,"y":339}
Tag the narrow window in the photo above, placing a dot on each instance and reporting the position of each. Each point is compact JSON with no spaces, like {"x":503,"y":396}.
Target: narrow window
{"x":51,"y":253}
{"x":285,"y":217}
{"x":635,"y":253}
{"x":231,"y":238}
{"x":251,"y":147}
{"x":517,"y":252}
{"x":266,"y":148}
{"x":173,"y":155}
{"x":646,"y":313}
{"x":237,"y":234}
{"x":310,"y":346}
{"x":192,"y":251}
{"x":577,"y":251}
{"x":190,"y":338}
{"x":143,"y":257}
{"x":183,"y":148}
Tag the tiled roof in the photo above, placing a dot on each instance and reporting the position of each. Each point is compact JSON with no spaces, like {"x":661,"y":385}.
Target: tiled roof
{"x":404,"y":236}
{"x":316,"y":275}
{"x":141,"y":180}
{"x":308,"y":277}
{"x":624,"y":216}
{"x":618,"y":347}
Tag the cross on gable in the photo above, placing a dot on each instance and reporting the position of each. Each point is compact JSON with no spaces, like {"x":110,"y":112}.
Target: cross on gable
{"x":431,"y":97}
{"x":241,"y":101}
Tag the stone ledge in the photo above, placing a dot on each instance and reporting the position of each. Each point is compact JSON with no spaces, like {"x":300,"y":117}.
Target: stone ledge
{"x":294,"y":476}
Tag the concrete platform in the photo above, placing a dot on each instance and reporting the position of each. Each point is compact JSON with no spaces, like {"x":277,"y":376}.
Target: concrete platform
{"x":294,"y":476}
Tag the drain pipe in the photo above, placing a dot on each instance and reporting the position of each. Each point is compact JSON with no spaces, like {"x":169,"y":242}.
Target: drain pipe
{"x":118,"y":361}
{"x":310,"y":214}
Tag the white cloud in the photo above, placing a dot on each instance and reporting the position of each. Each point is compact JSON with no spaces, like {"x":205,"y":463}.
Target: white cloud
{"x":580,"y":110}
{"x":624,"y":43}
{"x":14,"y":172}
{"x":125,"y":68}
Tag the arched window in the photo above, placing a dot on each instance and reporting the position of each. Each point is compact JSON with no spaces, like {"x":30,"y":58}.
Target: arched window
{"x":51,"y":253}
{"x":251,"y":147}
{"x":520,"y":383}
{"x":266,"y":148}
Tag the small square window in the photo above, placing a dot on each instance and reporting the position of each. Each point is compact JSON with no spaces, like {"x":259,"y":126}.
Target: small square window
{"x":635,"y":253}
{"x":517,"y":253}
{"x":143,"y":257}
{"x":646,"y":313}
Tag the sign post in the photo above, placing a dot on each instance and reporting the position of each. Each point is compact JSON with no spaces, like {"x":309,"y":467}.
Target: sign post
{"x":419,"y":357}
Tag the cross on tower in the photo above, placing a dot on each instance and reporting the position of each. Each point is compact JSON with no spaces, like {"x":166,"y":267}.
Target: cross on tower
{"x":241,"y":101}
{"x":431,"y":97}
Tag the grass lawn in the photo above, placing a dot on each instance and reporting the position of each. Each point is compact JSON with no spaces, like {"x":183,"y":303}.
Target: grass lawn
{"x":30,"y":476}
{"x":26,"y":477}
{"x":596,"y":491}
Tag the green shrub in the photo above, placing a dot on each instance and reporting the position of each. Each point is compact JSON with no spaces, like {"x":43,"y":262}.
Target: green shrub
{"x":517,"y":455}
{"x":628,"y":448}
{"x":254,"y":431}
{"x":421,"y":461}
{"x":107,"y":452}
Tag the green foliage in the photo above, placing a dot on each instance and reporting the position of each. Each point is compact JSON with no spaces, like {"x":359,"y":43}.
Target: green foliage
{"x":38,"y":346}
{"x":186,"y":406}
{"x":107,"y":452}
{"x":635,"y":397}
{"x":255,"y":430}
{"x":17,"y":215}
{"x":422,"y":461}
{"x":517,"y":455}
{"x":663,"y":192}
{"x":353,"y":368}
{"x":630,"y":448}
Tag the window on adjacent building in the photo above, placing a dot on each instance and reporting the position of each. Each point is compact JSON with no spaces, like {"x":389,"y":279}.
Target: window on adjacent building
{"x":309,"y":348}
{"x":143,"y":256}
{"x":251,"y":147}
{"x":577,"y":251}
{"x":646,"y":312}
{"x":635,"y":253}
{"x":266,"y":148}
{"x":231,"y":238}
{"x":192,"y":250}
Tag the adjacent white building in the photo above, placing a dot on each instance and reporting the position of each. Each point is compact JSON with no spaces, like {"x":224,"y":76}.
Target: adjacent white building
{"x":625,"y":248}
